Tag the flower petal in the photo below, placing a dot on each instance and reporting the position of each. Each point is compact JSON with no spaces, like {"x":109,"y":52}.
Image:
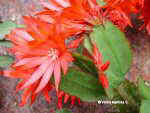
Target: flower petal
{"x":46,"y":77}
{"x":57,"y":73}
{"x":35,"y":60}
{"x":50,"y":5}
{"x":25,"y":96}
{"x":23,"y":34}
{"x":66,"y":98}
{"x":46,"y":95}
{"x":33,"y":97}
{"x":97,"y":55}
{"x":73,"y":99}
{"x":64,"y":3}
{"x":103,"y":79}
{"x":37,"y":74}
{"x":18,"y":87}
{"x":64,"y":65}
{"x":105,"y":66}
{"x":60,"y":103}
{"x":60,"y":94}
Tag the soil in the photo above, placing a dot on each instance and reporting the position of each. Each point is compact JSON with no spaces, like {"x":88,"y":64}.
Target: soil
{"x":9,"y":100}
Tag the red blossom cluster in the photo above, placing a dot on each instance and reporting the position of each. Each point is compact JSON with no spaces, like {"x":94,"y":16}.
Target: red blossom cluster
{"x":66,"y":96}
{"x":146,"y":15}
{"x":41,"y":50}
{"x":119,"y":11}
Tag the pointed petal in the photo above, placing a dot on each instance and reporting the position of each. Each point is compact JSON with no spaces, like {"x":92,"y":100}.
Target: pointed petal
{"x":25,"y":96}
{"x":37,"y":74}
{"x":7,"y":73}
{"x":63,"y":3}
{"x":33,"y":97}
{"x":97,"y":55}
{"x":29,"y":92}
{"x":46,"y":77}
{"x":28,"y":60}
{"x":66,"y":98}
{"x":103,"y":80}
{"x":105,"y":66}
{"x":21,"y":33}
{"x":73,"y":98}
{"x":50,"y":6}
{"x":18,"y":87}
{"x":14,"y":38}
{"x":34,"y":28}
{"x":79,"y":101}
{"x":46,"y":95}
{"x":148,"y":27}
{"x":60,"y":94}
{"x":46,"y":18}
{"x":59,"y":103}
{"x":64,"y":65}
{"x":57,"y":73}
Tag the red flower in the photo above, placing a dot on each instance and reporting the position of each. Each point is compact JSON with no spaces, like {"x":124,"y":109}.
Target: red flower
{"x":40,"y":54}
{"x":146,"y":14}
{"x":97,"y":57}
{"x":66,"y":96}
{"x":85,"y":12}
{"x":118,"y":11}
{"x":30,"y":92}
{"x":75,"y":17}
{"x":53,"y":14}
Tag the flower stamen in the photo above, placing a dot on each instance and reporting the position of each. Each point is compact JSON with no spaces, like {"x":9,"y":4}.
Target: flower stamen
{"x":53,"y":53}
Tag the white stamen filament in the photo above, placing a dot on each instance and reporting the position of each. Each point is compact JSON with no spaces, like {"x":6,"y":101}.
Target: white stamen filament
{"x":53,"y":53}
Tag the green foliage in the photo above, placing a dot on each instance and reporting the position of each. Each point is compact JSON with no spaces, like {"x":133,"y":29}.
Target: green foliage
{"x":85,"y":64}
{"x":114,"y":47}
{"x":145,"y":106}
{"x":6,"y":27}
{"x":82,"y":85}
{"x":87,"y":45}
{"x":5,"y":43}
{"x":129,"y":92}
{"x":6,"y":61}
{"x":144,"y":90}
{"x":101,"y":2}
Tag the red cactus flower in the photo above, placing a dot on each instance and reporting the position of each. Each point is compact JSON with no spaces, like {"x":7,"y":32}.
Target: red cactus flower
{"x":39,"y":53}
{"x":146,"y":14}
{"x":97,"y":57}
{"x":30,"y":92}
{"x":118,"y":11}
{"x":76,"y":17}
{"x":66,"y":96}
{"x":85,"y":12}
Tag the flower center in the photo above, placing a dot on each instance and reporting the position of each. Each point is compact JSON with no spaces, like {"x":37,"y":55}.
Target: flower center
{"x":53,"y":53}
